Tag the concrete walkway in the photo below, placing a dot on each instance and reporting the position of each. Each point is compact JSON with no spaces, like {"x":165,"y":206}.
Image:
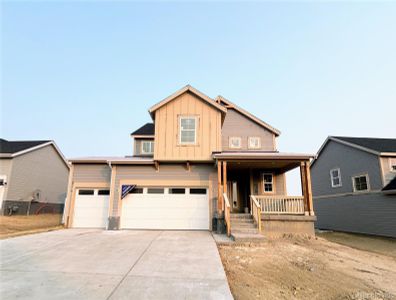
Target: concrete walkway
{"x":94,"y":264}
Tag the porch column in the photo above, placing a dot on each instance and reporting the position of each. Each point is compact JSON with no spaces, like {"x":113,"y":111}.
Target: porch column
{"x":219,"y":190}
{"x":309,"y":189}
{"x":304,"y":187}
{"x":224,"y":179}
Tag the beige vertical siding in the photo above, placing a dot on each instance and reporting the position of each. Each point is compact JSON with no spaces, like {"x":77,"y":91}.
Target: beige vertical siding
{"x":387,"y":173}
{"x":167,"y":130}
{"x":5,"y":169}
{"x":91,"y":173}
{"x":236,"y":124}
{"x":168,"y":175}
{"x":42,"y":169}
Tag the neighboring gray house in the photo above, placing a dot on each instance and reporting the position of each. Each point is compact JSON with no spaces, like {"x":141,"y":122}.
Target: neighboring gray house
{"x":354,"y":185}
{"x":33,"y":177}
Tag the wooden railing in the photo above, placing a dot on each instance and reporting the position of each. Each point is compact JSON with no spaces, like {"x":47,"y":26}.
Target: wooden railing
{"x":227,"y":213}
{"x":255,"y":211}
{"x":290,"y":205}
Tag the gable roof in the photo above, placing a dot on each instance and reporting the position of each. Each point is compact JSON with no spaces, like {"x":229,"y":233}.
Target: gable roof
{"x":376,"y":146}
{"x":11,"y":149}
{"x":187,"y":88}
{"x":229,"y":104}
{"x":146,"y":130}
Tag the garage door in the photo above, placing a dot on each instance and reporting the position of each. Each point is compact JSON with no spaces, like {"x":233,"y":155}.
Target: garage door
{"x":166,"y":208}
{"x":91,"y":208}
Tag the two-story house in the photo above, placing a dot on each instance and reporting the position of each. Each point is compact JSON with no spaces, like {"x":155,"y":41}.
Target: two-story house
{"x":354,"y":185}
{"x":202,"y":164}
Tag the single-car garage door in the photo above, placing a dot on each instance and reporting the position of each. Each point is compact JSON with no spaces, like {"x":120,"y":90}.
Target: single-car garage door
{"x":166,"y":208}
{"x":91,"y":208}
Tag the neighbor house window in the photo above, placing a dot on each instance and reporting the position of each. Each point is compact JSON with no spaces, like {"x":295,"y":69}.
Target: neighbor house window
{"x":235,"y":142}
{"x":360,"y":183}
{"x":254,"y":142}
{"x":147,"y":147}
{"x":268,"y":180}
{"x":188,"y":130}
{"x":335,"y":176}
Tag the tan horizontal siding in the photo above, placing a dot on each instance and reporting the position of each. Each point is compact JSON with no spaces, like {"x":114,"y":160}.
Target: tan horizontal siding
{"x":91,"y":173}
{"x":237,"y":125}
{"x":43,"y":170}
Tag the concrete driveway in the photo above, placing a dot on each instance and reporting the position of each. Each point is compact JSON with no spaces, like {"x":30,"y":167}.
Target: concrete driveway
{"x":96,"y":264}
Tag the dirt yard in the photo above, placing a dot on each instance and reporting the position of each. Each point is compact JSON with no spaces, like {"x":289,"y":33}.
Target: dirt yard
{"x":19,"y":225}
{"x":303,"y":268}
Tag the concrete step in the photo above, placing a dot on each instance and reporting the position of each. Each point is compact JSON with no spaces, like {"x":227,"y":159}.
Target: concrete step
{"x":244,"y":230}
{"x":247,"y":237}
{"x":243,"y":225}
{"x":242,"y":221}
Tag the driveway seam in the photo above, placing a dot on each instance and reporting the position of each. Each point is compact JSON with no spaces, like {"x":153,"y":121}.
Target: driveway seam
{"x":131,"y":268}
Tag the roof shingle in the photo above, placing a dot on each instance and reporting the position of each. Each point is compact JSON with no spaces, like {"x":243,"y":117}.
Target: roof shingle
{"x":16,"y":146}
{"x":147,"y":129}
{"x":376,"y":144}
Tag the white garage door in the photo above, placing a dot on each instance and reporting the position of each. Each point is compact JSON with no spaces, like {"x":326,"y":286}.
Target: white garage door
{"x":166,"y":208}
{"x":91,"y":208}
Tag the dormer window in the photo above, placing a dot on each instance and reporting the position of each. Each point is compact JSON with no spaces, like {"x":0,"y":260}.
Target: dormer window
{"x":188,"y":130}
{"x":147,"y":147}
{"x":235,"y":142}
{"x":254,"y":142}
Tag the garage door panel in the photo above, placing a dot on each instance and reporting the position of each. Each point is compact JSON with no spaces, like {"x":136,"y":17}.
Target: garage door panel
{"x":165,"y":211}
{"x":90,"y":211}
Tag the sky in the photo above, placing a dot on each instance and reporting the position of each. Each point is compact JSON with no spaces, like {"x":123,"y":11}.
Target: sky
{"x":84,"y":73}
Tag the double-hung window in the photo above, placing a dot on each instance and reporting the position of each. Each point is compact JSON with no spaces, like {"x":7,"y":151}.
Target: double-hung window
{"x":188,"y":130}
{"x":147,"y":147}
{"x":268,"y":180}
{"x":360,"y":183}
{"x":235,"y":142}
{"x":254,"y":142}
{"x":335,"y":177}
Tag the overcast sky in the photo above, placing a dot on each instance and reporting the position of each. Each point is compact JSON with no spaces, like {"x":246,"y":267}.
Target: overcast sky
{"x":85,"y":73}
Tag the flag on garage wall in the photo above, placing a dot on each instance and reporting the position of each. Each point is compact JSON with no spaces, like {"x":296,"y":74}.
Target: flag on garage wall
{"x":126,"y":189}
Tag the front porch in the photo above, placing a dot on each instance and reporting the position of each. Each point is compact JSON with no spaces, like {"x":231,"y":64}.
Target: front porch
{"x":253,"y":185}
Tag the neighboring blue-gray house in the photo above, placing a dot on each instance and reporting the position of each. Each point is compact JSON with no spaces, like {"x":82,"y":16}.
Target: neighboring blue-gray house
{"x":354,"y":185}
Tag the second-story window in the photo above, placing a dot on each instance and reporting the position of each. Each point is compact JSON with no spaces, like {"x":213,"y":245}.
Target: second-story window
{"x":392,"y":163}
{"x":235,"y":142}
{"x":147,"y":147}
{"x":254,"y":142}
{"x":360,"y":183}
{"x":188,"y":130}
{"x":335,"y":177}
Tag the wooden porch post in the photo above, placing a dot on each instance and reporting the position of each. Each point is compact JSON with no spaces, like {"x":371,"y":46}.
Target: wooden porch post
{"x":224,"y":177}
{"x":309,"y":189}
{"x":304,"y":187}
{"x":219,"y":191}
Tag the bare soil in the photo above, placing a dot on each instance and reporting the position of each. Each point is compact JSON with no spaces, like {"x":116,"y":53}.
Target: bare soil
{"x":20,"y":225}
{"x":307,"y":268}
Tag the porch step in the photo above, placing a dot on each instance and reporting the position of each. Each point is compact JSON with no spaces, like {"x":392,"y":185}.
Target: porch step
{"x":247,"y":237}
{"x":235,"y":216}
{"x":246,"y":230}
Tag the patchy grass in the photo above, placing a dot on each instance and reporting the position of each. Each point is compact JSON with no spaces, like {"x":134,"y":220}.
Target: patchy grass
{"x":303,"y":268}
{"x":19,"y":225}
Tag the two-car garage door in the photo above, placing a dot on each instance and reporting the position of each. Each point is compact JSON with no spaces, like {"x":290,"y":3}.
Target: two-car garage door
{"x":145,"y":208}
{"x":165,"y":208}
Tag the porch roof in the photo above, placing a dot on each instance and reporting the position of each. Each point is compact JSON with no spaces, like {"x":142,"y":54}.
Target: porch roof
{"x":281,"y":161}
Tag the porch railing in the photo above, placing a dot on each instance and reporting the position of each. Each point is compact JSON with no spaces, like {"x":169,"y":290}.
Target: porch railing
{"x":291,"y":205}
{"x":227,"y":213}
{"x":255,"y":211}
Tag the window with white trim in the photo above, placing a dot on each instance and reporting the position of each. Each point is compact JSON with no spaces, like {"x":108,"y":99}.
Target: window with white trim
{"x":268,"y":181}
{"x":147,"y":147}
{"x":188,"y":130}
{"x":392,"y":164}
{"x":335,"y":177}
{"x":254,"y":142}
{"x":235,"y":142}
{"x":360,"y":183}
